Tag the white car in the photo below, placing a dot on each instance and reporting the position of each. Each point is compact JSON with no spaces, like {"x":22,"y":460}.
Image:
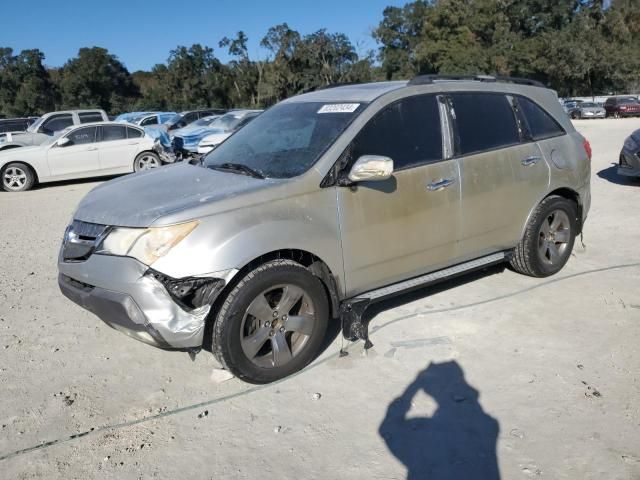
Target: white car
{"x":88,"y":150}
{"x":224,"y":127}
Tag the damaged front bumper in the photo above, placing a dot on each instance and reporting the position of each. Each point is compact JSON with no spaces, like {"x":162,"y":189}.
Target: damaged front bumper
{"x":140,"y":302}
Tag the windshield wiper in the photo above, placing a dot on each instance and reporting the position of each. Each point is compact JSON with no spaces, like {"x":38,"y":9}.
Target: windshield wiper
{"x":238,"y":167}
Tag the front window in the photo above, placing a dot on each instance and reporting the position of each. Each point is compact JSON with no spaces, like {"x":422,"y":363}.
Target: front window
{"x":286,"y":140}
{"x":627,"y":100}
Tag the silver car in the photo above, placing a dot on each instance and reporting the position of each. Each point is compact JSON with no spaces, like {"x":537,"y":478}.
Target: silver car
{"x":587,"y":110}
{"x":324,"y":204}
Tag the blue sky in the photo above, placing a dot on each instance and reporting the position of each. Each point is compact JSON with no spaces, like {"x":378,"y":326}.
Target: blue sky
{"x":141,"y":33}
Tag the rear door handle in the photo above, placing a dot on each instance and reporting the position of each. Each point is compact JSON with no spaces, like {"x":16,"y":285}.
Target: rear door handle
{"x":440,"y":184}
{"x":530,"y":161}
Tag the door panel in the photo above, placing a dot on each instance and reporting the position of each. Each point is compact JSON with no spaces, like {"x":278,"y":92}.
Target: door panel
{"x":497,"y":191}
{"x":398,"y":228}
{"x":117,"y":152}
{"x":80,"y":158}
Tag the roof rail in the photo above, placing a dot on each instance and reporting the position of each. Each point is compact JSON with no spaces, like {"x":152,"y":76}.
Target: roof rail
{"x":432,"y":78}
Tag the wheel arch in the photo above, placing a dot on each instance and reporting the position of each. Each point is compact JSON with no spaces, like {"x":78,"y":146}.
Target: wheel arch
{"x":26,"y":164}
{"x":564,"y":192}
{"x":312,"y":262}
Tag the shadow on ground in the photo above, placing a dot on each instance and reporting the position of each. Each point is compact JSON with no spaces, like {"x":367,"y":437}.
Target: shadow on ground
{"x":610,"y":174}
{"x":457,"y":442}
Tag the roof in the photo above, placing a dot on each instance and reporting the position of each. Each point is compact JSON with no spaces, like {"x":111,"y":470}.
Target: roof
{"x":363,"y":92}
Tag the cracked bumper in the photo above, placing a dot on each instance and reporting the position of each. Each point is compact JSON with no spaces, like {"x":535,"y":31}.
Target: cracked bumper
{"x":118,"y":291}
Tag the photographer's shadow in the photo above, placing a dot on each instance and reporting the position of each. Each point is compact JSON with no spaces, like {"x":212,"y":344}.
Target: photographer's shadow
{"x":457,"y":442}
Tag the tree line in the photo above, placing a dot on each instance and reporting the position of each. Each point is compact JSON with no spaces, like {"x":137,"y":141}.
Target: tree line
{"x":577,"y":47}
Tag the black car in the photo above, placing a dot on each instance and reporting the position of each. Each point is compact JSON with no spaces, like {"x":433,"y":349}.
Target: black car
{"x":16,"y":124}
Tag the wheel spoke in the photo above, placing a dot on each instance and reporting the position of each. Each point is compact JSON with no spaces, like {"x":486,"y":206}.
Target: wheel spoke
{"x":300,"y":323}
{"x":252,"y":344}
{"x":557,"y":221}
{"x":261,"y":309}
{"x":545,"y":227}
{"x":290,"y":296}
{"x":554,"y":254}
{"x":562,"y":235}
{"x":281,"y":351}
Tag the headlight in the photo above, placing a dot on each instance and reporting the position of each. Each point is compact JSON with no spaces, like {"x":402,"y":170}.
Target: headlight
{"x":145,"y":244}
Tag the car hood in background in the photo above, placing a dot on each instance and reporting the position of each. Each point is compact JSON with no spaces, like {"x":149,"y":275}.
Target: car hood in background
{"x":592,"y":109}
{"x":140,"y":199}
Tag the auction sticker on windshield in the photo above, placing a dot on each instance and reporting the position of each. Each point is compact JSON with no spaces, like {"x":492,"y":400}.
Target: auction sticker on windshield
{"x":339,"y":108}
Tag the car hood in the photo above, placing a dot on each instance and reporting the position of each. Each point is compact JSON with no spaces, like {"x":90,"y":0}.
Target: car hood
{"x":592,"y":109}
{"x":142,"y":199}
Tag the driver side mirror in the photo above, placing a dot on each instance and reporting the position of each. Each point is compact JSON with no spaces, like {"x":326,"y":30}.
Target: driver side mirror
{"x":63,"y":142}
{"x":371,"y":168}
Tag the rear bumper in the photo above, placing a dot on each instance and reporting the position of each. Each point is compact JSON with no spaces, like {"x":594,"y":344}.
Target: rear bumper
{"x":120,"y":292}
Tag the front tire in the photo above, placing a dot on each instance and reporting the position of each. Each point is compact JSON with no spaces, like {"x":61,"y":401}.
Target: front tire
{"x":272,"y":323}
{"x":146,"y":161}
{"x":548,"y":239}
{"x":17,"y":177}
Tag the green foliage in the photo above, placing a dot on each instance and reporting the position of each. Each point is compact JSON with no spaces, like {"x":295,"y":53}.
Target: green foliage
{"x":578,"y":47}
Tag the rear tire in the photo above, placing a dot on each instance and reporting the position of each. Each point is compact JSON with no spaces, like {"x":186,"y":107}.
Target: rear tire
{"x":548,"y":239}
{"x":146,"y":161}
{"x":17,"y":177}
{"x":272,"y":323}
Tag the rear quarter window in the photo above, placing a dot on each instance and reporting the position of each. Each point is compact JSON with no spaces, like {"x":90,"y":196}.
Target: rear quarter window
{"x":484,"y":121}
{"x":541,"y":124}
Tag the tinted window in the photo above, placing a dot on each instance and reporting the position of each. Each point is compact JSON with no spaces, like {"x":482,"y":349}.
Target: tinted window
{"x":540,"y":123}
{"x":484,"y":122}
{"x":113,"y":132}
{"x":57,"y":123}
{"x":407,"y":131}
{"x":190,"y":117}
{"x":88,"y":117}
{"x":83,"y":135}
{"x":133,"y":133}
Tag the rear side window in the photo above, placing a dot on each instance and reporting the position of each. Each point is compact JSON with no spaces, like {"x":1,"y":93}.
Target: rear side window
{"x":407,"y":131}
{"x":540,"y":123}
{"x":133,"y":133}
{"x":89,"y":117}
{"x":484,"y":122}
{"x":113,"y":132}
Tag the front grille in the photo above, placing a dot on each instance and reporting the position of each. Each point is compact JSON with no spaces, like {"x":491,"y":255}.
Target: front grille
{"x":81,"y":239}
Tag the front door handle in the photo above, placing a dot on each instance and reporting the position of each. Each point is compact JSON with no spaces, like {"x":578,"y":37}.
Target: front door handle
{"x":530,"y":161}
{"x":91,"y":149}
{"x":440,"y":184}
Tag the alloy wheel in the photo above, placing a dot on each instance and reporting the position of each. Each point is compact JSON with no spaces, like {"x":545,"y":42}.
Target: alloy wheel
{"x":554,"y":237}
{"x":14,"y":178}
{"x":277,"y":325}
{"x":147,"y":162}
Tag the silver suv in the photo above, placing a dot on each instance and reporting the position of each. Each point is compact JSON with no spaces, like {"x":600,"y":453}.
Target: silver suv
{"x":324,"y":204}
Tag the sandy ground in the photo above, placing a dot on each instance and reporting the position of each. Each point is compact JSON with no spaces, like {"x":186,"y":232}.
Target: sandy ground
{"x":498,"y":372}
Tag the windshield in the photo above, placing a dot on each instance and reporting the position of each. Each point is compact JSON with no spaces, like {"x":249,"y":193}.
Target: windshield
{"x":286,"y":140}
{"x":203,"y":122}
{"x":588,"y":105}
{"x":226,"y":122}
{"x":33,"y":128}
{"x":627,"y":100}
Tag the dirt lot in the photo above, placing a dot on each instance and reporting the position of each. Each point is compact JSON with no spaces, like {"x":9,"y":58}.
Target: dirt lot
{"x":534,"y":378}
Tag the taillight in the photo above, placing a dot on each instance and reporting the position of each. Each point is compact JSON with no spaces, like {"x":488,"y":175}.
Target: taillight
{"x":587,"y":147}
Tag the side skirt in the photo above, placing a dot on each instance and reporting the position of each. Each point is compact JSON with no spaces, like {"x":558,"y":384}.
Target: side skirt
{"x":355,"y":326}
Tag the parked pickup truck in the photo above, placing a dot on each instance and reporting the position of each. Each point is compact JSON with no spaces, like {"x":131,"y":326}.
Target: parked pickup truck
{"x":47,"y":125}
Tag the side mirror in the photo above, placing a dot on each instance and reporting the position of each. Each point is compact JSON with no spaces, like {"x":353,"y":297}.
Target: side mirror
{"x":63,"y":142}
{"x":371,"y":168}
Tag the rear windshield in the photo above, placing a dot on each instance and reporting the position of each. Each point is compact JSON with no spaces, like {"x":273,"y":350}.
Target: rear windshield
{"x":286,"y":140}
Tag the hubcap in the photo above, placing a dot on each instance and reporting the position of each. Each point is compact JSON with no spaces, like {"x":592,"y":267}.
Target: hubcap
{"x":147,"y":162}
{"x":554,"y":236}
{"x":14,"y":178}
{"x":277,"y":326}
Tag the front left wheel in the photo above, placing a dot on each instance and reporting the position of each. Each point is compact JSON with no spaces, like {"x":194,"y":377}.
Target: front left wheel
{"x":272,"y":323}
{"x":17,"y":177}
